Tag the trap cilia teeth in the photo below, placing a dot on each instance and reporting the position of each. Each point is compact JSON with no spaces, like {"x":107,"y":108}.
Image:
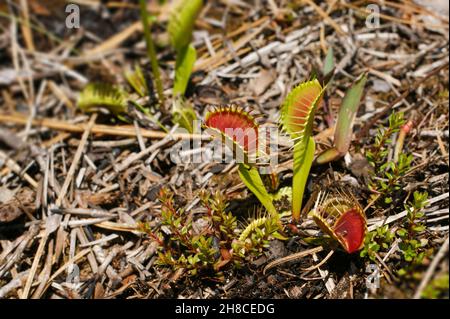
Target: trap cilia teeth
{"x":238,"y":129}
{"x":341,"y":216}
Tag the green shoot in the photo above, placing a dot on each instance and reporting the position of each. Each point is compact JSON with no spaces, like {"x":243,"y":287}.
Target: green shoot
{"x":151,"y":52}
{"x":411,"y":246}
{"x":344,"y":126}
{"x":137,"y":81}
{"x":328,"y":66}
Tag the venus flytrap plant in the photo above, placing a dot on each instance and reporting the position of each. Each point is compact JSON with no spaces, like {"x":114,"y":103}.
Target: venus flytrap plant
{"x":341,"y":217}
{"x":256,"y":236}
{"x":297,"y":119}
{"x":105,"y":95}
{"x":239,"y":130}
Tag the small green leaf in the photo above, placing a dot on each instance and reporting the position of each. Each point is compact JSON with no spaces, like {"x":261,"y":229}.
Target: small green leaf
{"x":402,"y":232}
{"x":347,"y":114}
{"x":183,"y":68}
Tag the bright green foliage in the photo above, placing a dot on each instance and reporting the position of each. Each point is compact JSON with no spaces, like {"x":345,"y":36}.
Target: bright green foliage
{"x":205,"y":250}
{"x":181,"y":23}
{"x":411,"y":246}
{"x":137,"y":81}
{"x":437,"y":288}
{"x":378,"y":154}
{"x":302,"y":166}
{"x":387,"y":175}
{"x":103,"y":95}
{"x":183,"y":68}
{"x":377,"y":240}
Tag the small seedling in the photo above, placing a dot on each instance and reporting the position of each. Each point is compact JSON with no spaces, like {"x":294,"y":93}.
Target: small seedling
{"x":203,"y":246}
{"x":387,"y":174}
{"x":376,"y":241}
{"x":411,"y":246}
{"x":137,"y":81}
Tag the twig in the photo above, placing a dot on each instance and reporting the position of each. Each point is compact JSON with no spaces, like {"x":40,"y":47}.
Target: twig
{"x":292,"y":257}
{"x":377,"y":223}
{"x":365,"y":130}
{"x":75,"y":161}
{"x":118,"y":130}
{"x":320,"y":263}
{"x":13,"y":166}
{"x":326,"y":17}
